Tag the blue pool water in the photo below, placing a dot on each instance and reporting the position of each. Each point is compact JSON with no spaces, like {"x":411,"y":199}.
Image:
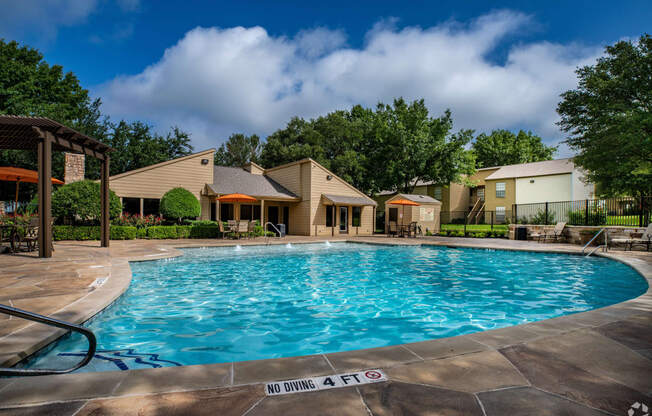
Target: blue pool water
{"x":215,"y":305}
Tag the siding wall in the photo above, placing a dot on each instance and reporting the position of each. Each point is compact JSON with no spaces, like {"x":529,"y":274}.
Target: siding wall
{"x":320,"y":185}
{"x":543,"y":189}
{"x":490,"y":195}
{"x":296,"y":178}
{"x":153,"y":182}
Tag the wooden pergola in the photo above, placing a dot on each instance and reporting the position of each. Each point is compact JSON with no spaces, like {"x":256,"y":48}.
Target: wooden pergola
{"x":45,"y":135}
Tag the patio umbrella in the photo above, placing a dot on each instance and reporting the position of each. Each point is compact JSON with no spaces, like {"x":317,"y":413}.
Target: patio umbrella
{"x":236,"y":198}
{"x":404,"y":202}
{"x":18,"y":175}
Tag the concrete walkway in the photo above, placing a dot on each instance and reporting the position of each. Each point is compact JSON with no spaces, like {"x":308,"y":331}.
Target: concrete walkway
{"x":592,"y":363}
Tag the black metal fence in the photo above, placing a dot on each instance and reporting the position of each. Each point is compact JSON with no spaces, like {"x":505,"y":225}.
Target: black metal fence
{"x":471,"y":218}
{"x":633,"y":212}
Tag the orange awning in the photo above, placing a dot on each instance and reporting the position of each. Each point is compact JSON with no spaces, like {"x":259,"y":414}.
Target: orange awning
{"x":236,"y":198}
{"x":12,"y":174}
{"x":403,"y":202}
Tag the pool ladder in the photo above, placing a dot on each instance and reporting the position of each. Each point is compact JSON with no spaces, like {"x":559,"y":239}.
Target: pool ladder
{"x":604,"y":246}
{"x":92,"y":342}
{"x":266,"y":230}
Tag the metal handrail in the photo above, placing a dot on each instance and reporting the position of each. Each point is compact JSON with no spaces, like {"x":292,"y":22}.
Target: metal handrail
{"x":92,"y":342}
{"x":594,"y":237}
{"x":277,"y":230}
{"x":596,"y":249}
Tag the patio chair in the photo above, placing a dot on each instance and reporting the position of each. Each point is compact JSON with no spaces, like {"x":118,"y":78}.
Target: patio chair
{"x":644,"y":240}
{"x":31,"y":234}
{"x":556,"y":233}
{"x":242,"y":228}
{"x":222,"y":231}
{"x":412,"y":229}
{"x":392,"y":229}
{"x":250,"y":229}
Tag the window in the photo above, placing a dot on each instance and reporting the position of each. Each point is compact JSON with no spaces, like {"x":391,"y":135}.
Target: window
{"x":330,"y":213}
{"x":481,"y":193}
{"x":131,"y":205}
{"x":500,"y":190}
{"x":438,"y":193}
{"x":355,"y":219}
{"x":151,"y":206}
{"x":226,"y":212}
{"x":500,"y":214}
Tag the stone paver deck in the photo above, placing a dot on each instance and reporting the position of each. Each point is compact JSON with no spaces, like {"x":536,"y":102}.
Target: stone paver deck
{"x":592,"y":363}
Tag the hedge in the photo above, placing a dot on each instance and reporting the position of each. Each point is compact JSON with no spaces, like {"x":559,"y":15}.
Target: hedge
{"x":474,"y":234}
{"x":92,"y":232}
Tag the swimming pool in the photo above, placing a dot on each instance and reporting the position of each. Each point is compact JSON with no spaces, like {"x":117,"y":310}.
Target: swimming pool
{"x":225,"y":304}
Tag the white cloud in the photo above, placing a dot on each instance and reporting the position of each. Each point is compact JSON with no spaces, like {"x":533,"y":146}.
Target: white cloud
{"x":217,"y":81}
{"x":41,"y":18}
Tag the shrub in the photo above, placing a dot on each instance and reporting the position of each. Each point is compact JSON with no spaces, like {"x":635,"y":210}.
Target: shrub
{"x":180,"y":203}
{"x":200,"y":222}
{"x":79,"y":202}
{"x":596,"y":217}
{"x":80,"y":232}
{"x":204,"y":231}
{"x":160,"y":232}
{"x":541,"y":218}
{"x":141,"y":232}
{"x":137,"y":220}
{"x":183,"y":231}
{"x":123,"y":232}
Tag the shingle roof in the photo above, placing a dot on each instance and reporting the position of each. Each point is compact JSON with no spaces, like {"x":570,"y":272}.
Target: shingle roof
{"x":349,"y":200}
{"x":546,"y":167}
{"x":228,"y":180}
{"x":419,"y":198}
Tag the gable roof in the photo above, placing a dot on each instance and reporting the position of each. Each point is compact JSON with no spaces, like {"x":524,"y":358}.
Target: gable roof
{"x":543,"y":168}
{"x":228,"y":180}
{"x":167,"y":162}
{"x":425,"y":199}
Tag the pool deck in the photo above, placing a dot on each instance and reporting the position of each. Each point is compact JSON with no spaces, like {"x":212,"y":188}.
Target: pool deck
{"x":592,"y":363}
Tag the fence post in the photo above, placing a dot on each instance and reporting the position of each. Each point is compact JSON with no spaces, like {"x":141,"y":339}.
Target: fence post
{"x":546,"y":217}
{"x":586,"y":212}
{"x":492,"y":220}
{"x":515,"y":213}
{"x":640,"y":211}
{"x":466,"y":219}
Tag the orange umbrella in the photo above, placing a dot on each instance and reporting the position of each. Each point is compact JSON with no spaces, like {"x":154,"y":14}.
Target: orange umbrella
{"x":236,"y":198}
{"x":18,"y":175}
{"x":404,"y":202}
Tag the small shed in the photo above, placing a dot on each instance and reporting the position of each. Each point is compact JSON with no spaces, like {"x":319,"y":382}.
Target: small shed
{"x":426,"y":214}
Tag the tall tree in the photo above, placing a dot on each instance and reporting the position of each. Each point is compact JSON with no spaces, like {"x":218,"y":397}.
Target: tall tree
{"x":609,"y":118}
{"x":409,"y":146}
{"x":29,"y":86}
{"x":502,"y":147}
{"x":239,"y":150}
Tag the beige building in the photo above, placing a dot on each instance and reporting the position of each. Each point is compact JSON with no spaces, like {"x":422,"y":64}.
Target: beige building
{"x":426,"y":214}
{"x":496,"y":190}
{"x":304,"y":196}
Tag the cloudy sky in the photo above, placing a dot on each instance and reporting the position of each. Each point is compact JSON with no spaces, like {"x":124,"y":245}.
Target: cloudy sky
{"x":216,"y":69}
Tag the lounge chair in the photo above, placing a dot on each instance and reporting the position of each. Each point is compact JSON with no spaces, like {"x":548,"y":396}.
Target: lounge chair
{"x":412,"y":229}
{"x":31,"y":234}
{"x":644,"y":240}
{"x":556,"y":233}
{"x":392,"y":229}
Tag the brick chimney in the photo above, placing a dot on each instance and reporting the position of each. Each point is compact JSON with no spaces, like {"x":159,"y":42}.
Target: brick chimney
{"x":74,"y":169}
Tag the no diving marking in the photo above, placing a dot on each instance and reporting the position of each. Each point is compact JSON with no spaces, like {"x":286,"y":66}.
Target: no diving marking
{"x":303,"y":385}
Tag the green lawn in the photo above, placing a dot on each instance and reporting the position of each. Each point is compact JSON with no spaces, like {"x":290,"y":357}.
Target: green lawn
{"x":474,"y":227}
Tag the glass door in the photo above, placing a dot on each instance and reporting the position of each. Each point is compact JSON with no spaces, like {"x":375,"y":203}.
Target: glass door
{"x":344,"y":219}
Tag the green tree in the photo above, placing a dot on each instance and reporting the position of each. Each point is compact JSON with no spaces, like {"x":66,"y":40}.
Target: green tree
{"x":502,"y":147}
{"x":80,"y":202}
{"x":409,"y":146}
{"x":239,"y":150}
{"x":180,"y":203}
{"x":31,"y":87}
{"x":609,"y":118}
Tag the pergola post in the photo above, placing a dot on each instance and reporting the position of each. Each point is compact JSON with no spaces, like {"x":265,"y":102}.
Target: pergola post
{"x":105,"y":200}
{"x":262,"y":213}
{"x":45,"y":196}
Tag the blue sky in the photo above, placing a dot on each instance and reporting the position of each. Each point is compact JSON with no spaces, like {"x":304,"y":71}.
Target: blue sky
{"x":215,"y":68}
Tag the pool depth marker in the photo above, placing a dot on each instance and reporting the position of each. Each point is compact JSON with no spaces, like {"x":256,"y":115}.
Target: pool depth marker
{"x":302,"y":385}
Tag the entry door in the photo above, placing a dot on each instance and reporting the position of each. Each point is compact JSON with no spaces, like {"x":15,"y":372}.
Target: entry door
{"x":344,"y":219}
{"x":272,"y":215}
{"x":286,"y":219}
